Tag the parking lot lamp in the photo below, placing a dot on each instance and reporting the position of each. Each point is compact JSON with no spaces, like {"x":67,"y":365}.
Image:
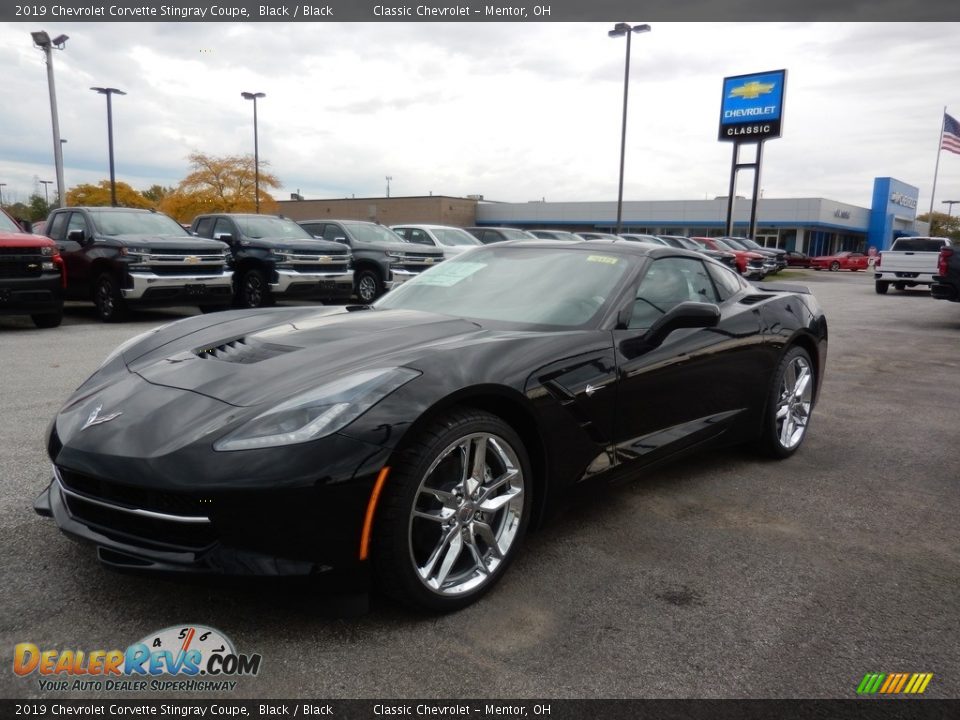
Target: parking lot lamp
{"x":2,"y":186}
{"x":46,"y":190}
{"x":950,"y":204}
{"x":256,"y":146}
{"x":618,"y":30}
{"x":110,"y":92}
{"x":42,"y":40}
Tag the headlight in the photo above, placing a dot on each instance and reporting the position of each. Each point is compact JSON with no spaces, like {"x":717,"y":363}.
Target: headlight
{"x":49,"y":250}
{"x":317,"y":413}
{"x":284,"y":254}
{"x":136,"y":254}
{"x":130,"y":343}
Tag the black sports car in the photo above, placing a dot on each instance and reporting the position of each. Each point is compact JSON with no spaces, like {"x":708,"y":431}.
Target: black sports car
{"x":415,"y":440}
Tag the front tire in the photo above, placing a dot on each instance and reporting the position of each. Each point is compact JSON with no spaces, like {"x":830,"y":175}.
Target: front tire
{"x":834,"y":266}
{"x":111,"y":306}
{"x":453,"y":513}
{"x":789,"y":405}
{"x":369,"y":286}
{"x":252,"y":290}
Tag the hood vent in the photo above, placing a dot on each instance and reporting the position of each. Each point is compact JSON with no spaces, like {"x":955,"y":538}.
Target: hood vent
{"x":754,"y":299}
{"x":243,"y":350}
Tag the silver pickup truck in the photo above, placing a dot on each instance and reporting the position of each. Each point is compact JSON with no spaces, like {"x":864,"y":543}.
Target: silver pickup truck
{"x":909,"y":262}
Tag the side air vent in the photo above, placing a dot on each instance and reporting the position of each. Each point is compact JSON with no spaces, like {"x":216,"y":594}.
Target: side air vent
{"x":754,"y":299}
{"x":244,"y":351}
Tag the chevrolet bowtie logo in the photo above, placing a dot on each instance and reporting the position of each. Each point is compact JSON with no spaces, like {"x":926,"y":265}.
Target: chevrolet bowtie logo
{"x":95,"y":418}
{"x":752,"y":90}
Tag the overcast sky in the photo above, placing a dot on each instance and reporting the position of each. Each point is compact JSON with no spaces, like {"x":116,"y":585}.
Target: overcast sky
{"x":512,"y":111}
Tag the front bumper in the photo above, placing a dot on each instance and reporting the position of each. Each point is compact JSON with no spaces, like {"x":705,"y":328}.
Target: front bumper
{"x":318,"y":284}
{"x":149,"y":287}
{"x":31,"y":295}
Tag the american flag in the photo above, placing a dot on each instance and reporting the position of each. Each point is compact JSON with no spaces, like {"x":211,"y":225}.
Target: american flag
{"x":950,"y":140}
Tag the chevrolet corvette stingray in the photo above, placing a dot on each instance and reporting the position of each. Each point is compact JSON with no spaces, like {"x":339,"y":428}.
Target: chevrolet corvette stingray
{"x":412,"y":443}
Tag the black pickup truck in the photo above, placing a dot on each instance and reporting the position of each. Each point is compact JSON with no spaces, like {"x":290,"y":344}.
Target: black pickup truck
{"x":31,"y":275}
{"x":117,"y":257}
{"x":382,"y":259}
{"x":275,"y":257}
{"x":946,"y":283}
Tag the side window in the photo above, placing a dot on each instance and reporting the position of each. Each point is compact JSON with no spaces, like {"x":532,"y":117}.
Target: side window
{"x":419,"y":237}
{"x":55,"y":231}
{"x":333,"y":232}
{"x":77,"y":222}
{"x":204,"y":227}
{"x":669,"y":282}
{"x":727,"y":282}
{"x":315,"y":229}
{"x":491,"y":236}
{"x":402,"y":232}
{"x":223,"y":226}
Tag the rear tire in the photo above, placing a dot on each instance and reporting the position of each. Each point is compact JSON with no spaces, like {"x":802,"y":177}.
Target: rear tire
{"x":881,"y":287}
{"x":834,"y":266}
{"x":453,"y":512}
{"x":111,"y":306}
{"x":789,"y":405}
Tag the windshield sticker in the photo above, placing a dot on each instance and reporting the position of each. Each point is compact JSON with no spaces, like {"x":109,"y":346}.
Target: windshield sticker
{"x":449,"y":273}
{"x":602,"y":259}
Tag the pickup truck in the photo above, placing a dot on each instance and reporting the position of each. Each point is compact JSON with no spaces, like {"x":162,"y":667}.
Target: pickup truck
{"x":118,"y":257}
{"x":274,"y":257}
{"x":382,"y":259}
{"x":946,"y":283}
{"x":909,"y":262}
{"x":31,"y":275}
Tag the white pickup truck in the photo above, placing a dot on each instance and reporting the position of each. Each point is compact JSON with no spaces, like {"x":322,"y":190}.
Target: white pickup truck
{"x":909,"y":262}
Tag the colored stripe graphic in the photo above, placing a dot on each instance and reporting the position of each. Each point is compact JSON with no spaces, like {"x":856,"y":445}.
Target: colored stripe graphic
{"x":894,"y":683}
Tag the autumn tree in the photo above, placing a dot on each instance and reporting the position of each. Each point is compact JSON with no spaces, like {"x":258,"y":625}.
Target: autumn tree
{"x":943,"y":225}
{"x":156,"y":193}
{"x":220,"y":184}
{"x":99,"y":195}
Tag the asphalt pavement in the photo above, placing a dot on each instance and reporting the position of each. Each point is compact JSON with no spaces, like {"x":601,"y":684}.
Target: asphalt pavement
{"x":724,"y":576}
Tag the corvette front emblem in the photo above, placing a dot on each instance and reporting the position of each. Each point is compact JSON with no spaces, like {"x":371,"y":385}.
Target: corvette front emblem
{"x":95,"y":418}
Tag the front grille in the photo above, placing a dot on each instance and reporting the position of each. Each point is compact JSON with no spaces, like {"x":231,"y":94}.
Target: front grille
{"x":185,"y":269}
{"x":180,"y":251}
{"x":131,"y":496}
{"x":317,"y":268}
{"x":112,"y":510}
{"x":29,"y":252}
{"x":31,"y":268}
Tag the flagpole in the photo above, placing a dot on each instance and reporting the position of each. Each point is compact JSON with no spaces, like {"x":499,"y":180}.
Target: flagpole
{"x":936,"y":169}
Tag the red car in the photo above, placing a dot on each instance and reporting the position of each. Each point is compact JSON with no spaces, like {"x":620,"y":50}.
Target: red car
{"x":750,"y":264}
{"x":840,"y":261}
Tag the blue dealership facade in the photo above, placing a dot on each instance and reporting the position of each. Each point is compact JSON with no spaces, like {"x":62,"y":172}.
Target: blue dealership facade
{"x":816,"y":226}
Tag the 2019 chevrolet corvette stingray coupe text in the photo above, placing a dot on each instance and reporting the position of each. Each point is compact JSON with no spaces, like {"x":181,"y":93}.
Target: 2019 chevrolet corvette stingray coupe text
{"x":413,"y":442}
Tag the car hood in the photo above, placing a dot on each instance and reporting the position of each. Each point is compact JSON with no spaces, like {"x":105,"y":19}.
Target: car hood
{"x":166,"y":241}
{"x":256,"y":357}
{"x":406,"y":248}
{"x":327,"y":246}
{"x":23,"y":240}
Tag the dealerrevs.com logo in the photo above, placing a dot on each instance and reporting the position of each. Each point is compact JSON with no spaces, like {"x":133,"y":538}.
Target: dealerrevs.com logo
{"x":179,"y":658}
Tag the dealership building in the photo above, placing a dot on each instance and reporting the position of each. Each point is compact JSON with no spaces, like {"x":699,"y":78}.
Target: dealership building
{"x":816,"y":226}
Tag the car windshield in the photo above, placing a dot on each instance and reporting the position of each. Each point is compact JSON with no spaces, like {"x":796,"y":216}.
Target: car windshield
{"x":454,"y":236}
{"x":525,"y":285}
{"x":724,"y":245}
{"x":736,"y":244}
{"x":264,"y":226}
{"x":114,"y":222}
{"x":8,"y":225}
{"x":512,"y":234}
{"x":370,"y":233}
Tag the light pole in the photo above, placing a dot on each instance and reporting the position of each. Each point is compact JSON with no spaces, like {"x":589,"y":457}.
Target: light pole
{"x":46,"y":186}
{"x":256,"y":145}
{"x":2,"y":186}
{"x":110,"y":92}
{"x":42,"y":40}
{"x":618,"y":30}
{"x":389,"y":178}
{"x":950,"y":204}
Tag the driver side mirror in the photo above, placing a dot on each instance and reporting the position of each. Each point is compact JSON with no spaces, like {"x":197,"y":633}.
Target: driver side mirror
{"x":224,"y":237}
{"x":684,"y":315}
{"x":78,"y":236}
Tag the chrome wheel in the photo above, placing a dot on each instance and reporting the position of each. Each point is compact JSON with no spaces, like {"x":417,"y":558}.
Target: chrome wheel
{"x":795,"y":402}
{"x":367,"y":287}
{"x":466,"y":514}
